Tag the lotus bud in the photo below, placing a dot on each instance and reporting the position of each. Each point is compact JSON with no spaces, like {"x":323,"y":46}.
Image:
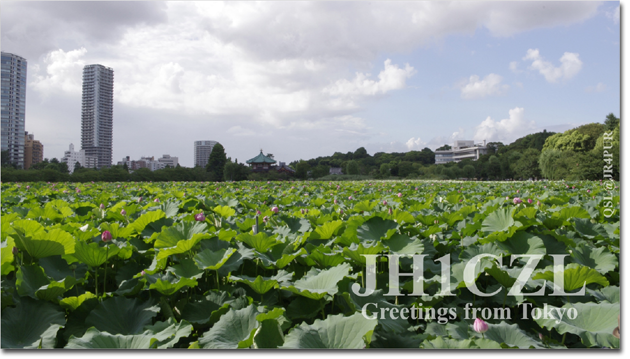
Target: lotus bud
{"x":340,"y":211}
{"x":390,"y":211}
{"x":541,"y":336}
{"x":102,"y":206}
{"x":123,"y":212}
{"x":349,"y":197}
{"x":517,"y":200}
{"x":302,"y":210}
{"x":139,"y":199}
{"x":15,"y":251}
{"x":275,"y":209}
{"x":538,"y":203}
{"x":588,"y":191}
{"x":156,"y":200}
{"x":106,"y":236}
{"x":199,"y":217}
{"x":507,"y":198}
{"x":28,"y":187}
{"x":529,"y":200}
{"x":143,"y":273}
{"x":78,"y":190}
{"x":384,"y":203}
{"x":265,"y":219}
{"x":480,"y":326}
{"x":257,"y":212}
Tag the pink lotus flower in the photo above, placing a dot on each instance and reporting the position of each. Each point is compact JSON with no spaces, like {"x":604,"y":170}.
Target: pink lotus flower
{"x":529,"y":200}
{"x":335,"y":201}
{"x":350,"y":197}
{"x":588,"y":191}
{"x":258,"y":213}
{"x":416,"y":188}
{"x":507,"y":198}
{"x":123,"y":212}
{"x":102,"y":206}
{"x":199,"y":217}
{"x":106,"y":236}
{"x":384,"y":203}
{"x":265,"y":219}
{"x":480,"y":326}
{"x":518,"y":190}
{"x":517,"y":200}
{"x":78,"y":190}
{"x":275,"y":209}
{"x":28,"y":187}
{"x":399,"y":194}
{"x":156,"y":200}
{"x":143,"y":273}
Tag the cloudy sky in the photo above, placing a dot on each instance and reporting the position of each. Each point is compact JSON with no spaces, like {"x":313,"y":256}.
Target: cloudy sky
{"x":306,"y":79}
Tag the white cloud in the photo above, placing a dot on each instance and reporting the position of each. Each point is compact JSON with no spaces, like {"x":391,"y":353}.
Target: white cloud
{"x":569,"y":67}
{"x":600,"y":87}
{"x":614,"y":15}
{"x":64,"y":71}
{"x":506,"y":130}
{"x":391,"y":78}
{"x":476,"y":88}
{"x":415,"y":144}
{"x":514,"y":67}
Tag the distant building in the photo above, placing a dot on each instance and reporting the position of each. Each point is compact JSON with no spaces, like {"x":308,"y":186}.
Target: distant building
{"x":202,"y":152}
{"x":461,"y":150}
{"x":261,"y":163}
{"x":283,"y":168}
{"x":97,"y":113}
{"x":335,"y":171}
{"x":71,"y":157}
{"x":144,"y":162}
{"x":33,"y":151}
{"x":13,"y":106}
{"x":169,"y":161}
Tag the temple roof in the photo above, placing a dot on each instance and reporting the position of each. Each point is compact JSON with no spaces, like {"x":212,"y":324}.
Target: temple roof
{"x":261,"y":159}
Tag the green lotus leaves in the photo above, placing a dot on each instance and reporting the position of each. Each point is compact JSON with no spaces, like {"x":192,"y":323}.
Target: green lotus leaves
{"x":224,"y":211}
{"x":336,"y":332}
{"x":95,"y":339}
{"x":208,"y":259}
{"x":575,"y":277}
{"x":7,"y":256}
{"x":207,"y":310}
{"x":327,"y":230}
{"x":262,"y":285}
{"x":260,"y":242}
{"x":31,"y":237}
{"x":182,"y":246}
{"x":599,"y":259}
{"x":72,"y":303}
{"x":594,"y":323}
{"x":122,"y":315}
{"x":375,"y":229}
{"x":446,"y":343}
{"x":498,"y":221}
{"x":31,"y":324}
{"x":510,"y":335}
{"x":169,"y":284}
{"x":234,"y":330}
{"x":172,"y":236}
{"x":94,"y":254}
{"x":317,"y":284}
{"x":186,"y":269}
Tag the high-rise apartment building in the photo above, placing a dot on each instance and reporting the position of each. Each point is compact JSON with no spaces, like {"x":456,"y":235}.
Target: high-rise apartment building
{"x":33,"y":150}
{"x":13,"y":106}
{"x":202,"y":152}
{"x":97,"y":112}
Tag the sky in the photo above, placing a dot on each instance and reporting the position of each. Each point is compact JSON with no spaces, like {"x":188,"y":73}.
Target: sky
{"x":306,"y":79}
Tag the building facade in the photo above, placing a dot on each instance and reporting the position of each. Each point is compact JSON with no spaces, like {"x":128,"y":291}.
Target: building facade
{"x":13,"y":106}
{"x":461,"y":150}
{"x":144,"y":162}
{"x":33,"y":150}
{"x":202,"y":152}
{"x":97,"y":113}
{"x":168,"y":160}
{"x":71,"y":157}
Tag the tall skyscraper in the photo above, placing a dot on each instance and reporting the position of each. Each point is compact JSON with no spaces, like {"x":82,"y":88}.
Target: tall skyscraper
{"x":13,"y":106}
{"x":97,"y":113}
{"x":202,"y":152}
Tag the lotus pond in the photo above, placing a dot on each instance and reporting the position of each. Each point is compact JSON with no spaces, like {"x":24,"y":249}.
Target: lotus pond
{"x":184,"y":265}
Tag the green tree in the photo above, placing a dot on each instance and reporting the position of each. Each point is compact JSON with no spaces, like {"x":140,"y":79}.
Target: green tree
{"x":301,"y":169}
{"x":527,"y":166}
{"x":469,"y":171}
{"x":216,"y":163}
{"x":548,"y":162}
{"x":352,"y":168}
{"x":361,"y":152}
{"x":611,"y":122}
{"x":444,"y":148}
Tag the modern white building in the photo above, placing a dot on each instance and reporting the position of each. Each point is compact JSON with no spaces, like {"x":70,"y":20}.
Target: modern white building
{"x":202,"y":152}
{"x":13,"y":106}
{"x":97,"y":113}
{"x":71,"y":157}
{"x":169,"y":160}
{"x":462,"y":149}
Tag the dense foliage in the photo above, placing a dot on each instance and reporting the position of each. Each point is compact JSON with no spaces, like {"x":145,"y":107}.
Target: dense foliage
{"x":181,"y":265}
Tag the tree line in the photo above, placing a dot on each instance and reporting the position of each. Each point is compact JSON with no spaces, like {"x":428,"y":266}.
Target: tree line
{"x":577,"y":154}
